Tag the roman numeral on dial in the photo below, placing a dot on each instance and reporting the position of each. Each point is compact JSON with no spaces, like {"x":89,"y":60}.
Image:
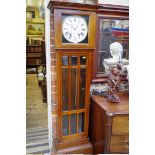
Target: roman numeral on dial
{"x":81,"y":34}
{"x":66,"y":33}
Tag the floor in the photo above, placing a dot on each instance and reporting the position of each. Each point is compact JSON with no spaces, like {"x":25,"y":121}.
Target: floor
{"x":36,"y":110}
{"x":36,"y":118}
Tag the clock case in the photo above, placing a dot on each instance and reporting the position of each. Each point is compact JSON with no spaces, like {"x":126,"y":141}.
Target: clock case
{"x":58,"y":18}
{"x":80,"y":142}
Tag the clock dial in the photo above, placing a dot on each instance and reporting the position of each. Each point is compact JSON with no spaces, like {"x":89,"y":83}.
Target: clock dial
{"x":74,"y":29}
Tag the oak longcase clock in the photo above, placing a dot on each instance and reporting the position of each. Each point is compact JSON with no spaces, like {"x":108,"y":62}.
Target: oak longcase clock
{"x":74,"y":44}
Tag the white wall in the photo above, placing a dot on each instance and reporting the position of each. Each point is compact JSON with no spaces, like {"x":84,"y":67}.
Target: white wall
{"x":114,"y":2}
{"x":34,"y":3}
{"x":48,"y":72}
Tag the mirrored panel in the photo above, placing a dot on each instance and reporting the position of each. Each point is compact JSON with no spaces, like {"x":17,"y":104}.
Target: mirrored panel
{"x":112,"y":30}
{"x":73,"y":123}
{"x":81,"y":122}
{"x":64,"y":89}
{"x":65,"y":125}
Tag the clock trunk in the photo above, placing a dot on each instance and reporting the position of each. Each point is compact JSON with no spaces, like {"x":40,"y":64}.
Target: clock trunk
{"x":73,"y":110}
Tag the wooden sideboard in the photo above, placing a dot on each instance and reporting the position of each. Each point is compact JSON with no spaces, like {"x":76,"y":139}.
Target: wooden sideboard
{"x":109,"y":125}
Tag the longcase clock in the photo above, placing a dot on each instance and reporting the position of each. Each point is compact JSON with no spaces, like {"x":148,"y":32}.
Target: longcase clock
{"x":74,"y":44}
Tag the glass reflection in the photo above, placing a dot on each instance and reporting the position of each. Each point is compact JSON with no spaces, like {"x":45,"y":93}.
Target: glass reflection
{"x":74,"y":60}
{"x":73,"y":123}
{"x":82,"y":88}
{"x":81,"y":122}
{"x":83,"y":60}
{"x":112,"y":30}
{"x":65,"y":125}
{"x":65,"y":60}
{"x":64,"y":89}
{"x":73,"y":87}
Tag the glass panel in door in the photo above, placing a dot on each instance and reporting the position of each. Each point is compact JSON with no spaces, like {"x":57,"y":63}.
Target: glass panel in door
{"x":82,"y":88}
{"x":65,"y":89}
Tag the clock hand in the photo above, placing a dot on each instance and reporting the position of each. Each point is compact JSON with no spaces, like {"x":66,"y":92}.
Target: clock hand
{"x":78,"y":24}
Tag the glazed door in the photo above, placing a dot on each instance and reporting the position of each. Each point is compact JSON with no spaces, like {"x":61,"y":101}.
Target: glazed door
{"x":74,"y":76}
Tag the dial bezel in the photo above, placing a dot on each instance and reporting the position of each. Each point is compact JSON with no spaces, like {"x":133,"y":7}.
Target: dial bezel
{"x":75,"y":32}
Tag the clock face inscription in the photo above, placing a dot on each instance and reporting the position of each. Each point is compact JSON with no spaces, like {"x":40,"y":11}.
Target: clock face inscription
{"x":74,"y":29}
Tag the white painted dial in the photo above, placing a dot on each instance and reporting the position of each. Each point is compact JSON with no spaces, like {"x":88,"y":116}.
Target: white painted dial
{"x":74,"y":29}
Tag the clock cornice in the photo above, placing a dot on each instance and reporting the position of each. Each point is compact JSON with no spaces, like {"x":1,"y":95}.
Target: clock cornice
{"x":99,"y":8}
{"x":57,"y":4}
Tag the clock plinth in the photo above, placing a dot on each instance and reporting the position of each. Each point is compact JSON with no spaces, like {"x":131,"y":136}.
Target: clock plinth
{"x":75,"y":146}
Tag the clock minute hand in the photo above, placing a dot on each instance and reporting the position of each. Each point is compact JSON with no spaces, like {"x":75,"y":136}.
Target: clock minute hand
{"x":78,"y":24}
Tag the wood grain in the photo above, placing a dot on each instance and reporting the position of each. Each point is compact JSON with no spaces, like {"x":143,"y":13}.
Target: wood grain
{"x":109,"y":125}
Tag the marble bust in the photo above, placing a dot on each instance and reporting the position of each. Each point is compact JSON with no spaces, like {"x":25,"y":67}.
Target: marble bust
{"x":116,"y":51}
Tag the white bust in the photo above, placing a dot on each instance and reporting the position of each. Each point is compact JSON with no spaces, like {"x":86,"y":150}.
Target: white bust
{"x":116,"y":51}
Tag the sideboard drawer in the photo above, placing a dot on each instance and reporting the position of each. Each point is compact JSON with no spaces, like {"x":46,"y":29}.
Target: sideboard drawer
{"x":119,"y":144}
{"x":120,"y":125}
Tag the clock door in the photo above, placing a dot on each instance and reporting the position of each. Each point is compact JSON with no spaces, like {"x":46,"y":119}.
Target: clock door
{"x":74,"y":80}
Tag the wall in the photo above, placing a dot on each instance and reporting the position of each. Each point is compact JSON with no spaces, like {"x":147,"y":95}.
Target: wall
{"x":37,"y":19}
{"x":34,"y":3}
{"x":115,"y":2}
{"x":53,"y":81}
{"x":37,"y":14}
{"x":48,"y":74}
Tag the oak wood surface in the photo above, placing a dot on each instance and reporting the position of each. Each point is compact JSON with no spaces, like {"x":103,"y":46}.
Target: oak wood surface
{"x":120,"y":125}
{"x":79,"y":149}
{"x":119,"y":144}
{"x":88,"y":7}
{"x":71,"y":5}
{"x":118,"y":108}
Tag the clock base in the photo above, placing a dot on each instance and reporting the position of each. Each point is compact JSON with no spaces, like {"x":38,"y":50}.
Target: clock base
{"x":79,"y":146}
{"x":79,"y":149}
